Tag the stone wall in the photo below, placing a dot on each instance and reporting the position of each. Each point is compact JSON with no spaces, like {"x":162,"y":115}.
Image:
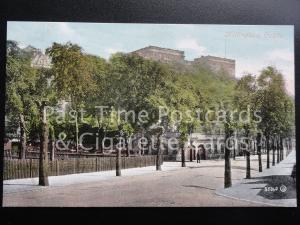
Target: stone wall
{"x":166,"y":55}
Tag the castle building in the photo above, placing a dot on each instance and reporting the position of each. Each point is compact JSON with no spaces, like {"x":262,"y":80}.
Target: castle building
{"x":166,"y":55}
{"x":40,"y":60}
{"x":217,"y":64}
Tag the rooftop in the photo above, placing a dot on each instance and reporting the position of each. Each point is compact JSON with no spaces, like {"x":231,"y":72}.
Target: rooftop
{"x":217,"y":58}
{"x":159,"y":48}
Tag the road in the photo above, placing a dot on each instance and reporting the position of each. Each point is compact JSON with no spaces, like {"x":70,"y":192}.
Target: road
{"x":194,"y":185}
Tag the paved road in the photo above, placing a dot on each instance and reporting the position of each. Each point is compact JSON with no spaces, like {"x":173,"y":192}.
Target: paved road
{"x":194,"y":185}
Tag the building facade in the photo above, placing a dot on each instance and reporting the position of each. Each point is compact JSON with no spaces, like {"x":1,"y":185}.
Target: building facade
{"x":40,"y":60}
{"x":166,"y":55}
{"x":217,"y":64}
{"x":163,"y":55}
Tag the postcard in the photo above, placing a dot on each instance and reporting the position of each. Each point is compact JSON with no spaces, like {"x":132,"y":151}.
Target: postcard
{"x":140,"y":115}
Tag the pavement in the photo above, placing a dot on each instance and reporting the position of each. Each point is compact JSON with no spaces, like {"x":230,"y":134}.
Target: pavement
{"x":194,"y":185}
{"x":30,"y":184}
{"x":273,"y":187}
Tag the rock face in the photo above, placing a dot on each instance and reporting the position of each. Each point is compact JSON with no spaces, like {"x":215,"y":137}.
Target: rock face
{"x":166,"y":55}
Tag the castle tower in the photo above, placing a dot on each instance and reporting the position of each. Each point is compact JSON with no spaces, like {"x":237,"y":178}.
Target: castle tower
{"x":217,"y":64}
{"x":164,"y":55}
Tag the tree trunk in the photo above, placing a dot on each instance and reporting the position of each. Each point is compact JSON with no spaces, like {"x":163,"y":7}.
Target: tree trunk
{"x":118,"y":162}
{"x":248,"y":166}
{"x":247,"y":153}
{"x":158,"y":155}
{"x":227,"y":169}
{"x":281,"y":149}
{"x":76,"y":132}
{"x":258,"y":144}
{"x":234,"y":154}
{"x":268,"y":151}
{"x":227,"y":173}
{"x":52,"y":150}
{"x":235,"y":146}
{"x":182,"y":156}
{"x":43,"y":161}
{"x":101,"y":135}
{"x":273,"y":151}
{"x":278,"y":149}
{"x":127,"y":147}
{"x":23,"y":137}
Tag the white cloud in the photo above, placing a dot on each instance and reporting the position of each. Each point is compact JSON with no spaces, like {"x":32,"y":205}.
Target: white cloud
{"x":281,"y":54}
{"x":22,"y":45}
{"x":109,"y":51}
{"x":112,"y":50}
{"x":65,"y":29}
{"x":244,"y":66}
{"x":191,"y":44}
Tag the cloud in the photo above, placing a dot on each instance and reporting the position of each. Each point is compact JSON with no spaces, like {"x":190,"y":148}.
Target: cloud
{"x":112,"y":50}
{"x":65,"y":29}
{"x":109,"y":51}
{"x":22,"y":45}
{"x":281,"y":54}
{"x":191,"y":44}
{"x":244,"y":66}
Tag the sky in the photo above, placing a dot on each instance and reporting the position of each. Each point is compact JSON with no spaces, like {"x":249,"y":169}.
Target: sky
{"x":252,"y":46}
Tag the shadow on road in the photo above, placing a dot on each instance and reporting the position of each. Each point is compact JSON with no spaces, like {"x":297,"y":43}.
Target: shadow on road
{"x":197,"y":186}
{"x":220,"y":166}
{"x":277,"y":187}
{"x":22,"y":184}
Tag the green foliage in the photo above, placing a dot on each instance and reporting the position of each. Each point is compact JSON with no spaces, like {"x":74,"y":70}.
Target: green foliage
{"x":131,"y":83}
{"x":72,"y":76}
{"x":275,"y":105}
{"x":21,"y":80}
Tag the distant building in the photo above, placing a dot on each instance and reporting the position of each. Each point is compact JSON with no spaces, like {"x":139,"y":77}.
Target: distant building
{"x":39,"y":59}
{"x":217,"y":64}
{"x":166,"y":55}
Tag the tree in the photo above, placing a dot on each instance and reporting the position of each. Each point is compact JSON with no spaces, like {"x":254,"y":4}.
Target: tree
{"x":135,"y":84}
{"x":269,"y":96}
{"x":244,"y":100}
{"x":72,"y":76}
{"x":99,"y":97}
{"x":20,"y":83}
